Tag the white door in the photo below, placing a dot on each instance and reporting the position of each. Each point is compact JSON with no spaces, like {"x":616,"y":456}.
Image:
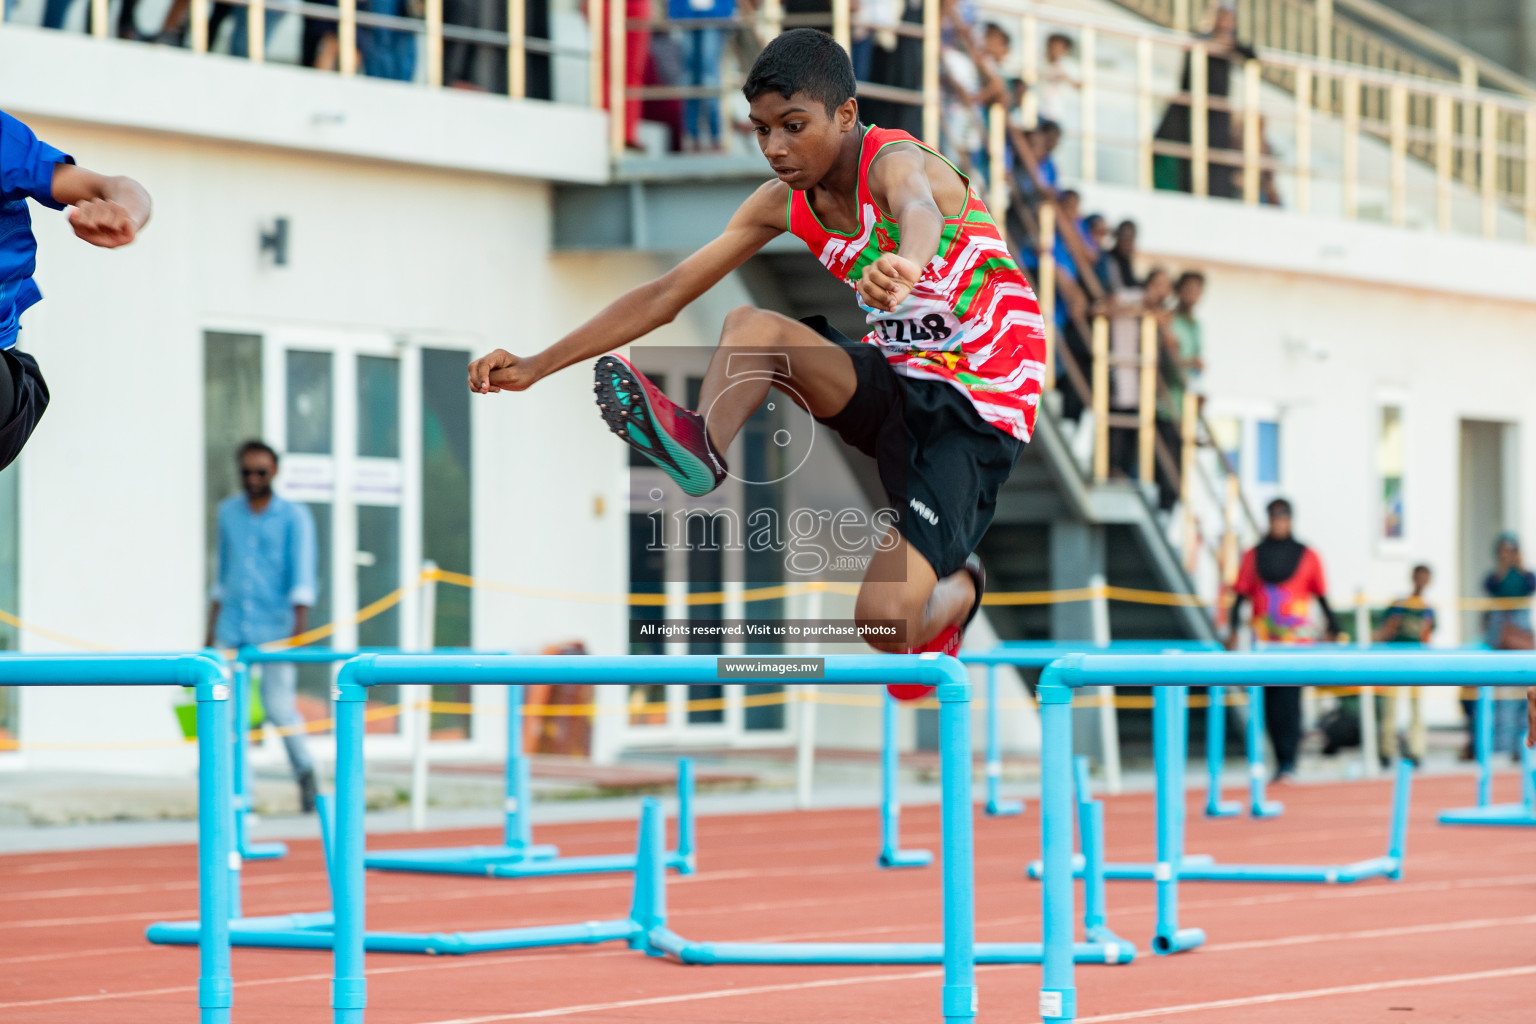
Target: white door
{"x":343,"y":410}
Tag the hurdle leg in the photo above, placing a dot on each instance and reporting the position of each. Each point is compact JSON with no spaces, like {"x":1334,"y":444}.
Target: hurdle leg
{"x":1482,"y":739}
{"x":1527,"y":777}
{"x":1259,"y":806}
{"x":996,"y":808}
{"x":1216,"y":754}
{"x":1090,"y":826}
{"x":349,"y":987}
{"x":891,"y":853}
{"x":517,"y":832}
{"x":959,"y":999}
{"x":1058,"y":985}
{"x":1169,"y":755}
{"x":215,"y":828}
{"x":686,"y":861}
{"x":648,"y":908}
{"x":1402,"y":794}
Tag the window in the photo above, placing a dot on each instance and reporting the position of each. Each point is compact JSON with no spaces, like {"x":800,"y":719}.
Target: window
{"x":1266,"y":462}
{"x":1389,"y":467}
{"x":231,"y":416}
{"x":446,"y":474}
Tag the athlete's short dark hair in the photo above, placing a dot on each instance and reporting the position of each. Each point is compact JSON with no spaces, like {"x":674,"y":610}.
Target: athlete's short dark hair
{"x":253,"y":446}
{"x":803,"y":60}
{"x":1278,"y":507}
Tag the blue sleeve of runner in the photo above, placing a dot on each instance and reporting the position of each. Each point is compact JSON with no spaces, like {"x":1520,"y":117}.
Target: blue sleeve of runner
{"x":27,"y":163}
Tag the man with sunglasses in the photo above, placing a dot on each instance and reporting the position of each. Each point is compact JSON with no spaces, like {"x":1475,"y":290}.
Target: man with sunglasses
{"x":264,"y":585}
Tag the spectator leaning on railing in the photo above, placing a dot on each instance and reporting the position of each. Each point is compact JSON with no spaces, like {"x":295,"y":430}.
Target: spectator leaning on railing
{"x":1117,"y":267}
{"x":1125,"y":308}
{"x":1061,"y":81}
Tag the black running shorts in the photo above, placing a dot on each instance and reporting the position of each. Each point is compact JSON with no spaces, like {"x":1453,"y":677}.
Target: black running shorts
{"x":940,"y":463}
{"x":23,"y":397}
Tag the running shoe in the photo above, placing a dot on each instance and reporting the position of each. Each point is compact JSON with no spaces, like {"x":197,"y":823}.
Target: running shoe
{"x":949,"y":638}
{"x":672,"y":437}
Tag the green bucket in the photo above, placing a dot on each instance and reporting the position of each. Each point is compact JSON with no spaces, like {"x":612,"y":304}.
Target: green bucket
{"x":186,"y":713}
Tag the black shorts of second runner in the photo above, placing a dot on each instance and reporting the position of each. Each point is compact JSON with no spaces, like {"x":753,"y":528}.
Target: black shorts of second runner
{"x":941,"y":464}
{"x":23,"y":397}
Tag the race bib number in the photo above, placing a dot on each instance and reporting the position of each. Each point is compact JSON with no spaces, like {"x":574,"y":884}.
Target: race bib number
{"x":933,"y":330}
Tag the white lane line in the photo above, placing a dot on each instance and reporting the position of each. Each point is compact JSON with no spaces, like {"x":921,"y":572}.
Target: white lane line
{"x":437,"y":963}
{"x":130,"y":890}
{"x":689,"y":997}
{"x":1372,"y":933}
{"x":429,"y":964}
{"x":38,"y":958}
{"x":1314,"y":993}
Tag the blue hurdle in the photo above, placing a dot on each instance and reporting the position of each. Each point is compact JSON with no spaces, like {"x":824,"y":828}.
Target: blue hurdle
{"x":1058,"y":992}
{"x":891,"y":853}
{"x":1486,"y":812}
{"x":518,"y":856}
{"x":958,"y":952}
{"x":1170,"y":740}
{"x":1037,"y":654}
{"x":217,"y":861}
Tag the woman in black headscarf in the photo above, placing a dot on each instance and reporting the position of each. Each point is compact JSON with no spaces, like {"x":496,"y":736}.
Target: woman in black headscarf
{"x":1223,"y":53}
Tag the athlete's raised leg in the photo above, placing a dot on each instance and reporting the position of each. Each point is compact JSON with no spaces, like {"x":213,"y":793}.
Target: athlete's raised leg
{"x":901,"y":585}
{"x":758,"y":350}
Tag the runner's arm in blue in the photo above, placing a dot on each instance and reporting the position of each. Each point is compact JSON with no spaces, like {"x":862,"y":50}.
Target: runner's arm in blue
{"x":898,"y":179}
{"x":641,"y":310}
{"x":108,"y":211}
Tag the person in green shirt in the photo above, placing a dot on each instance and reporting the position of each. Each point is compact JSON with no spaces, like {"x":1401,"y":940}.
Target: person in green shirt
{"x":1409,"y":620}
{"x":1189,"y":358}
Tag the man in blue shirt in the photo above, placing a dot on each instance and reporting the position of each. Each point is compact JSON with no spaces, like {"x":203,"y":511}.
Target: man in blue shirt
{"x":107,"y":212}
{"x":264,"y":585}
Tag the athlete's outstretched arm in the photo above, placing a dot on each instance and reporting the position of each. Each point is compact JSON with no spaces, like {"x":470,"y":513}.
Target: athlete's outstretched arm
{"x":108,"y":211}
{"x":641,"y":310}
{"x":900,"y":177}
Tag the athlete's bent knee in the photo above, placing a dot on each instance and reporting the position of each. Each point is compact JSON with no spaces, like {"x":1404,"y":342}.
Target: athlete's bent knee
{"x":750,"y":327}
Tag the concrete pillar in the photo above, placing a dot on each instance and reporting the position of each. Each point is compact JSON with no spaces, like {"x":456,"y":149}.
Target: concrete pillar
{"x":1077,"y":560}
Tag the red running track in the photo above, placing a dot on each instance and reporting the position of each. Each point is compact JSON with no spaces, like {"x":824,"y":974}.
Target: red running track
{"x":1454,"y":941}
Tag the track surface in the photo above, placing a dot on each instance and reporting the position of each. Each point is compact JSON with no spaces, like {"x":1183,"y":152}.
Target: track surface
{"x":1454,"y":941}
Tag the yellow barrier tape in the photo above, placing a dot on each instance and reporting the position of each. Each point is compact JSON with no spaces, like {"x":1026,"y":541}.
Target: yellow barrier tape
{"x":642,"y":708}
{"x":42,"y":631}
{"x":1002,"y":598}
{"x":711,"y":597}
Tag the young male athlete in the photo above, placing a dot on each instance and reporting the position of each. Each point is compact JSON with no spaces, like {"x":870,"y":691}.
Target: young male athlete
{"x":942,"y":391}
{"x":107,"y":212}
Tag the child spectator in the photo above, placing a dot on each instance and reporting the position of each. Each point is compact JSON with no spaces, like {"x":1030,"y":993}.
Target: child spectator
{"x":1411,"y":622}
{"x":1060,"y":80}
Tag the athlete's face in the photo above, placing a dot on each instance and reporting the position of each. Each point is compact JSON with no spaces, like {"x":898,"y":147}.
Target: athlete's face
{"x":799,"y":139}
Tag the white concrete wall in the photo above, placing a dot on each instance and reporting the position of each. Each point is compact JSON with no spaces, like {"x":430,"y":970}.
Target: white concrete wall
{"x":112,"y":483}
{"x":1324,"y":320}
